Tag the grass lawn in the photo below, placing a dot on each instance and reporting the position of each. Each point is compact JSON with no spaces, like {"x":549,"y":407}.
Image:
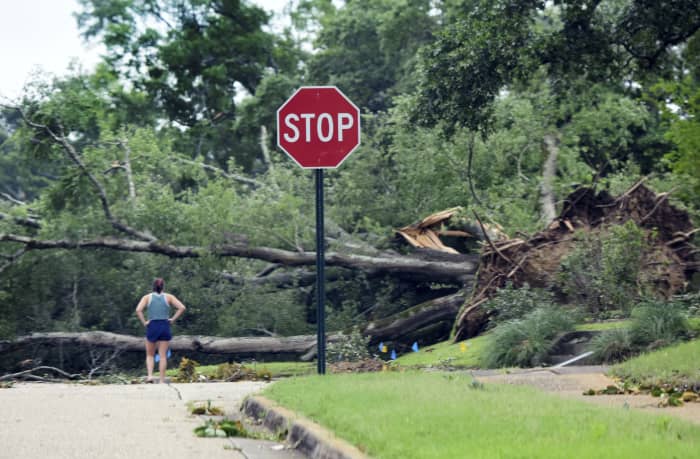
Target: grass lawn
{"x":602,"y":326}
{"x":467,"y":354}
{"x":464,"y":354}
{"x":442,"y":415}
{"x":277,"y":369}
{"x":679,"y":364}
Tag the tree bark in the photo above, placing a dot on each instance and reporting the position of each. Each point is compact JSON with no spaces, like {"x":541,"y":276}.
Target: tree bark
{"x":425,"y":266}
{"x":205,"y":344}
{"x":418,"y":317}
{"x":548,"y":208}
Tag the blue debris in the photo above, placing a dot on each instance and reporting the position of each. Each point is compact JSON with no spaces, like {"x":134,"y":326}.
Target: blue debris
{"x":393,"y":354}
{"x":415,"y":346}
{"x":157,"y":357}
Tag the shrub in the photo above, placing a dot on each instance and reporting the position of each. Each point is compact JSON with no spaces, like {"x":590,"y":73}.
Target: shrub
{"x":348,"y":348}
{"x":187,"y":371}
{"x":511,"y":303}
{"x":602,"y":272}
{"x":690,"y":303}
{"x":656,"y":324}
{"x":613,"y":346}
{"x":526,"y":342}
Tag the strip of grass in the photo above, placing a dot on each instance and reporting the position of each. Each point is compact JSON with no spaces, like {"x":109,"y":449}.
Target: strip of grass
{"x":465,"y":354}
{"x":679,"y":364}
{"x":439,"y":415}
{"x":276,"y":369}
{"x":602,"y":326}
{"x":694,"y":323}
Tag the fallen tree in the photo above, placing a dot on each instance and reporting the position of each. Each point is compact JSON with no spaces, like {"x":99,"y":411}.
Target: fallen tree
{"x":127,"y":343}
{"x":423,"y":265}
{"x":669,"y":257}
{"x":431,"y":320}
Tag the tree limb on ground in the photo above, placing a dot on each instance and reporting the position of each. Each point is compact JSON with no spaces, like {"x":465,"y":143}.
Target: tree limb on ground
{"x":29,"y":374}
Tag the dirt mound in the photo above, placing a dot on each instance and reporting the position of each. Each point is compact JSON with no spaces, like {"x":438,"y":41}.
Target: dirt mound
{"x":669,"y":259}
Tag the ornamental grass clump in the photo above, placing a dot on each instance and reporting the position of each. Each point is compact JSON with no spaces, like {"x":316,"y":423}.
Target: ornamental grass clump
{"x":526,"y":342}
{"x":657,"y":324}
{"x":612,"y":346}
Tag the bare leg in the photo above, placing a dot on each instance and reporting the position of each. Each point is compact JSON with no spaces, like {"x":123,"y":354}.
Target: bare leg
{"x":163,"y":364}
{"x":150,"y":352}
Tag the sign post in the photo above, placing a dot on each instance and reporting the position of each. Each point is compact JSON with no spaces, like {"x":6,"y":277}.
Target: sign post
{"x":319,"y":127}
{"x":320,"y":278}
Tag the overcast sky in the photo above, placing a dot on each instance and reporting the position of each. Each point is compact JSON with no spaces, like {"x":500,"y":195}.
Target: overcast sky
{"x":41,"y":36}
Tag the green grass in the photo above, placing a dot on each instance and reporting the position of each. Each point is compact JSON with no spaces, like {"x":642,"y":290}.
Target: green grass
{"x":277,"y":369}
{"x":602,"y":326}
{"x":464,"y":354}
{"x":442,"y":415}
{"x":678,"y":364}
{"x":694,"y":323}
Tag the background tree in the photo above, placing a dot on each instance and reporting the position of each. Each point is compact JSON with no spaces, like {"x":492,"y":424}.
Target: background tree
{"x":193,"y":59}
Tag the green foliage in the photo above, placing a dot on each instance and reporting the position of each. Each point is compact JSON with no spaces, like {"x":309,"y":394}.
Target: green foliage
{"x":526,"y":342}
{"x":511,"y":303}
{"x":654,"y":324}
{"x":191,"y":71}
{"x":485,"y":46}
{"x":201,"y":408}
{"x":602,"y":272}
{"x":613,"y":346}
{"x":352,"y":347}
{"x":368,"y":48}
{"x":256,"y":310}
{"x":607,"y":128}
{"x":657,"y":323}
{"x":224,"y":428}
{"x":471,"y":60}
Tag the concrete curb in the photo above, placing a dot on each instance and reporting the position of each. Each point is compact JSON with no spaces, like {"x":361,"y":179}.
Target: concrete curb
{"x":308,"y":437}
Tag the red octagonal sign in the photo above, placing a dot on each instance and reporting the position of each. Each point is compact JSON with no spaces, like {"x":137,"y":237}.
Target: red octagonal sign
{"x":318,"y":127}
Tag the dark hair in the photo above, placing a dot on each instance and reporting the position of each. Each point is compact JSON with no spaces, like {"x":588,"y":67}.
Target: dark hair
{"x":158,"y":285}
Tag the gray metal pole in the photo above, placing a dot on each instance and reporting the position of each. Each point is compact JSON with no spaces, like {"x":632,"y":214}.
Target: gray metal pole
{"x":320,"y":276}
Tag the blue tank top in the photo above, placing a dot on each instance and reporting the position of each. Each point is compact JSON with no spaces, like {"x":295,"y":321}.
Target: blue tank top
{"x":158,"y":308}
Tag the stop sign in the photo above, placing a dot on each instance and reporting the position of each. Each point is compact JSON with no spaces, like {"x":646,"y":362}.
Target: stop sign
{"x":318,"y":127}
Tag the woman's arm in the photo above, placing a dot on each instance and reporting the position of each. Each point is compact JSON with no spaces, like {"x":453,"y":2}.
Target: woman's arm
{"x":139,"y":309}
{"x":173,"y":301}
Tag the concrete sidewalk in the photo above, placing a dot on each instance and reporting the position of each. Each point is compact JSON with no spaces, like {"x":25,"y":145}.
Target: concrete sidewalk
{"x":74,"y":421}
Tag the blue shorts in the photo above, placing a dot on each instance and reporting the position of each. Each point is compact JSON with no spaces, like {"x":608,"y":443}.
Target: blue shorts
{"x":158,"y":330}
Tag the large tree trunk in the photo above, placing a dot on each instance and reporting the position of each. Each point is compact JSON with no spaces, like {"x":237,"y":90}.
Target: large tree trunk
{"x":405,"y":323}
{"x":426,"y":323}
{"x":204,"y":344}
{"x":80,"y":352}
{"x":425,"y":265}
{"x":547,"y":200}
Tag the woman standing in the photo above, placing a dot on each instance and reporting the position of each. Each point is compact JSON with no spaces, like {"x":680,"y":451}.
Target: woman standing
{"x":158,"y":325}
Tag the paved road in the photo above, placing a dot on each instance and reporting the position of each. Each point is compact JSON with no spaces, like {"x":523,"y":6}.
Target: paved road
{"x":74,"y":421}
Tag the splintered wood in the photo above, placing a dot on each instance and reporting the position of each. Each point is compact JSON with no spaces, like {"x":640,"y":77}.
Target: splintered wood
{"x":425,"y":233}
